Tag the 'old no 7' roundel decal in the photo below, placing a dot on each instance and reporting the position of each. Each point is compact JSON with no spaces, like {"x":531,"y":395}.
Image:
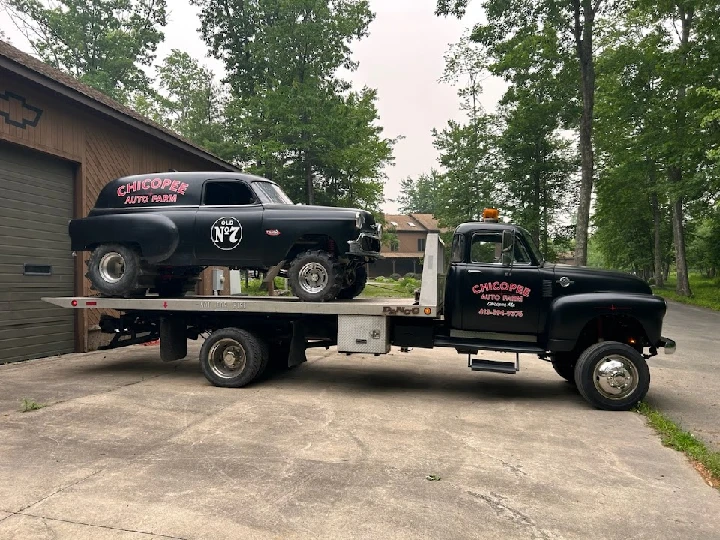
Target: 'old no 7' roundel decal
{"x":226,"y":233}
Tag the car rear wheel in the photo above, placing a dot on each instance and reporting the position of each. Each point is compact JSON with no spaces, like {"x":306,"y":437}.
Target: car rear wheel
{"x":355,"y":281}
{"x":315,"y":277}
{"x":114,"y":269}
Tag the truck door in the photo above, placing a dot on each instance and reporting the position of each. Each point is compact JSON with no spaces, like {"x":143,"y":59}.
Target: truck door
{"x":228,"y":225}
{"x":496,"y":298}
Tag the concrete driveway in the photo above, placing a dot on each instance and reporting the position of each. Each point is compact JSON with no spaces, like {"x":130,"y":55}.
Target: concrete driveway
{"x":339,"y":448}
{"x":686,"y":385}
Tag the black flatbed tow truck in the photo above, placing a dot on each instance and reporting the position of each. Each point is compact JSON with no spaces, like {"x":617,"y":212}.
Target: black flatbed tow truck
{"x":596,"y":327}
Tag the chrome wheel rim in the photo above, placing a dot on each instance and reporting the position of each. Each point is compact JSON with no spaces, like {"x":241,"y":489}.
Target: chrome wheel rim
{"x":615,"y":377}
{"x":227,"y":358}
{"x":112,"y":267}
{"x":313,"y":278}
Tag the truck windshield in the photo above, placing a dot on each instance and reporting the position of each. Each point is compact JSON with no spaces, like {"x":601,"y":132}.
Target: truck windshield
{"x":531,"y":245}
{"x":271,"y":193}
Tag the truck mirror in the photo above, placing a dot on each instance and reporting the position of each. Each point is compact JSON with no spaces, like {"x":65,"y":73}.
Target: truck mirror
{"x":508,"y":247}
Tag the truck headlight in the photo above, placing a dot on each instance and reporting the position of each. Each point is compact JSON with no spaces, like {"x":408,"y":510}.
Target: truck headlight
{"x":378,"y":228}
{"x":359,"y":220}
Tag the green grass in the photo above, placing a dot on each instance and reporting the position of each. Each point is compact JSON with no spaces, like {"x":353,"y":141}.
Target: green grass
{"x":27,"y":405}
{"x":706,"y":291}
{"x":673,"y":436}
{"x":386,"y":288}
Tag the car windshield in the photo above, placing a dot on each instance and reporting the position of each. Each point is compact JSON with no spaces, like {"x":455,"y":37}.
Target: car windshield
{"x":271,"y":193}
{"x":531,"y":245}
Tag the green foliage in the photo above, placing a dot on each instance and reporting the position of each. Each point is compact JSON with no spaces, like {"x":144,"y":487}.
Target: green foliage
{"x":290,"y":116}
{"x":28,"y":405}
{"x":673,"y":436}
{"x":421,"y":195}
{"x":103,"y":43}
{"x":706,"y":291}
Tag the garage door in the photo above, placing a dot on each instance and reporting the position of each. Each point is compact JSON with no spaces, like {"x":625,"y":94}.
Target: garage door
{"x":36,"y":201}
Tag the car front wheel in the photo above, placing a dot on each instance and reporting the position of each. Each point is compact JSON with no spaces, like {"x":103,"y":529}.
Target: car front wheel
{"x":355,"y":281}
{"x":315,"y":276}
{"x":114,"y":269}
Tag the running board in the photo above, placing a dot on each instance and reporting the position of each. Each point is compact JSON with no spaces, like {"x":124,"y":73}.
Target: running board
{"x":499,"y":346}
{"x":510,"y":368}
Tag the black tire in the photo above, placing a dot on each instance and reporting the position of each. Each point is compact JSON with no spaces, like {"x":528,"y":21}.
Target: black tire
{"x":173,"y":288}
{"x":357,"y":284}
{"x":321,"y":267}
{"x":214,"y":365}
{"x":173,"y":339}
{"x":622,"y":365}
{"x":564,"y":365}
{"x":114,"y":269}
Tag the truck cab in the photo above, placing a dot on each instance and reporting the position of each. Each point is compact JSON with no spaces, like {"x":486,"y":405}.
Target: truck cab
{"x":501,"y":294}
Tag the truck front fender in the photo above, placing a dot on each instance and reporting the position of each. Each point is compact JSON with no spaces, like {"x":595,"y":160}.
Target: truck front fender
{"x":155,"y":234}
{"x":570,"y":315}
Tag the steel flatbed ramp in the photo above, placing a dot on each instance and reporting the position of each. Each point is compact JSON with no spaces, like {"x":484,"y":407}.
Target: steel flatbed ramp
{"x":253,"y":304}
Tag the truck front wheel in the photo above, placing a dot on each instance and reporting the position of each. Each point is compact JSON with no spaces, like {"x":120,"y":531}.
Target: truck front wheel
{"x":612,"y":376}
{"x":315,"y":276}
{"x":114,"y":269}
{"x":232,"y":357}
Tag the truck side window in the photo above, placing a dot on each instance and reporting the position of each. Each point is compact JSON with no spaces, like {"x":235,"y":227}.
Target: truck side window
{"x":486,"y":248}
{"x":228,"y":194}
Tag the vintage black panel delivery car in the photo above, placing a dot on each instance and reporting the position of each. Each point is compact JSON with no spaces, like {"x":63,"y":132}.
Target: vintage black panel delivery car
{"x":158,"y":231}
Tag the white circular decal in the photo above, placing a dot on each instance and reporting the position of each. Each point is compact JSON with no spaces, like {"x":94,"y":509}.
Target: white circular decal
{"x":226,"y":233}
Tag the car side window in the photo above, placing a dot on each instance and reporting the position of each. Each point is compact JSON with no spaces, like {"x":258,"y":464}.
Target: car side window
{"x":228,"y":194}
{"x":486,"y":248}
{"x":458,"y":249}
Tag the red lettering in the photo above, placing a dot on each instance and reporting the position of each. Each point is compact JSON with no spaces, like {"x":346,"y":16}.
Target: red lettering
{"x":174,"y":185}
{"x":166,"y":183}
{"x":526,"y":292}
{"x":156,"y":183}
{"x":513,"y":287}
{"x":146,"y":183}
{"x":504,"y":286}
{"x":182,"y":188}
{"x":476,"y":289}
{"x":496,"y":286}
{"x":121,"y":191}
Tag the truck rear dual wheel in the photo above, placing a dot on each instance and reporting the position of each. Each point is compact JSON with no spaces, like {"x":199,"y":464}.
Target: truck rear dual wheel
{"x":355,"y":281}
{"x":233,"y":358}
{"x":612,"y":376}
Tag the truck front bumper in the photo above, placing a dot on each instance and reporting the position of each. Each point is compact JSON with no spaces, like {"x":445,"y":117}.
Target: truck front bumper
{"x":668,"y":344}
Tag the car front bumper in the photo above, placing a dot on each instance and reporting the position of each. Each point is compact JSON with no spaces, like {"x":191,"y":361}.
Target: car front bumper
{"x":366,"y":245}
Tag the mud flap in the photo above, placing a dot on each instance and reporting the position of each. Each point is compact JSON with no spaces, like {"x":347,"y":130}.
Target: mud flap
{"x":298,"y":344}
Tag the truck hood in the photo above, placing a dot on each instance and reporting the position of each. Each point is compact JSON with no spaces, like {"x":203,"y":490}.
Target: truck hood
{"x":586,"y":279}
{"x":324,"y":212}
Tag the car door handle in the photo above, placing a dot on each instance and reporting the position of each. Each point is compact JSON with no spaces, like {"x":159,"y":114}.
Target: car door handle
{"x":475,"y":272}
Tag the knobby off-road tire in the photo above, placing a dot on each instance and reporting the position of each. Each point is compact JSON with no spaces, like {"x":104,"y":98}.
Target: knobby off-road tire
{"x":357,"y":284}
{"x":315,"y":276}
{"x":232,"y":357}
{"x":114,"y":270}
{"x":612,"y":376}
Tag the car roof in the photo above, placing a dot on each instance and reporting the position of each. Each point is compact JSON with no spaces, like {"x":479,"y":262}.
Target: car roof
{"x":485,"y":225}
{"x":193,"y":177}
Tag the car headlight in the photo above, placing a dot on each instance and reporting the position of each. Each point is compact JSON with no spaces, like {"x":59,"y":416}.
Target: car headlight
{"x":378,"y":228}
{"x":359,"y":220}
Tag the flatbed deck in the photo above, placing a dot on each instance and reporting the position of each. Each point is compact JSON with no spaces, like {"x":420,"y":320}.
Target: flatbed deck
{"x":405,"y":307}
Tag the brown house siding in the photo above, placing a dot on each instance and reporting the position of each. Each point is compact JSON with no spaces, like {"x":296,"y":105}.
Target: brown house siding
{"x":101,"y":147}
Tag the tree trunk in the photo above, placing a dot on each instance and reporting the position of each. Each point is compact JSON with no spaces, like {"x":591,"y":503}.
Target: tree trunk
{"x":584,"y":45}
{"x":683,"y":283}
{"x":657,"y":250}
{"x":310,"y":189}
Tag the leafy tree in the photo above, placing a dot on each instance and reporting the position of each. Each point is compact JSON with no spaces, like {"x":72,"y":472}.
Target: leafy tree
{"x":512,"y":28}
{"x":422,"y":194}
{"x":103,"y":43}
{"x":293,"y":119}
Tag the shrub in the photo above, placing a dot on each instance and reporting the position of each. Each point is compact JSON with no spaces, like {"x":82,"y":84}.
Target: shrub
{"x":411,"y":275}
{"x":395,"y":277}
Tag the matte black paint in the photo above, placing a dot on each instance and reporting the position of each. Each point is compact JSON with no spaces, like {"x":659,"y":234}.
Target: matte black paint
{"x":553,"y":314}
{"x":179,"y":233}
